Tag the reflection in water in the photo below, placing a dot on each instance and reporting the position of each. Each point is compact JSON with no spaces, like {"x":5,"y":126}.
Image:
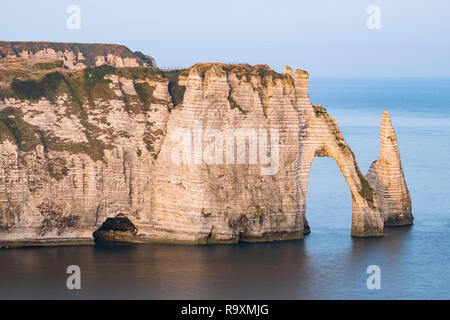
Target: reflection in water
{"x":390,"y":245}
{"x":327,"y":264}
{"x":159,"y":271}
{"x":283,"y":270}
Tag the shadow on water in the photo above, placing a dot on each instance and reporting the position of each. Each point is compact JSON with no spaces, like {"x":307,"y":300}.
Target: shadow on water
{"x":241,"y":271}
{"x":389,"y":245}
{"x":279,"y":270}
{"x":247,"y":270}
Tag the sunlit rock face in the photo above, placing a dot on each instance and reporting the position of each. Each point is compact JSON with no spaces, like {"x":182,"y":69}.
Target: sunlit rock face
{"x":214,"y":153}
{"x":386,"y":175}
{"x":74,"y":55}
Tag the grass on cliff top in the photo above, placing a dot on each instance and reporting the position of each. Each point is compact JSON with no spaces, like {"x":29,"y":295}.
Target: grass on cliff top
{"x":263,"y":71}
{"x":96,"y":74}
{"x":141,"y":73}
{"x":18,"y":69}
{"x":86,"y":85}
{"x":48,"y":65}
{"x":241,"y":70}
{"x":83,"y":89}
{"x":90,"y":50}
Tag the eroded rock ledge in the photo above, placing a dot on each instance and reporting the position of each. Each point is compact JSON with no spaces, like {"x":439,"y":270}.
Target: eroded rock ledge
{"x":78,"y":147}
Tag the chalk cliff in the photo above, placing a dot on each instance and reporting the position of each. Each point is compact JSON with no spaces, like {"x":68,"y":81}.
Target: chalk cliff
{"x":74,"y":55}
{"x":165,"y":152}
{"x":386,"y":175}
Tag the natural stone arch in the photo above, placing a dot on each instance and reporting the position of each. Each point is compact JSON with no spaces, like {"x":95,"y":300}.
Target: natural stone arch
{"x":320,"y":137}
{"x":366,"y":218}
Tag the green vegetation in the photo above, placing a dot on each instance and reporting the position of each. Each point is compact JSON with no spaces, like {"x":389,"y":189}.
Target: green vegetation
{"x":145,"y":94}
{"x":258,"y":211}
{"x":145,"y":59}
{"x":265,"y":73}
{"x":27,"y":137}
{"x":97,"y":74}
{"x":89,"y":50}
{"x":176,"y":91}
{"x":12,"y":126}
{"x":93,"y":148}
{"x":366,"y":190}
{"x":319,"y":110}
{"x":49,"y":65}
{"x":263,"y":99}
{"x":234,"y":105}
{"x":141,"y":73}
{"x":49,"y":86}
{"x":150,"y":136}
{"x":84,"y":88}
{"x":57,"y":168}
{"x":5,"y":133}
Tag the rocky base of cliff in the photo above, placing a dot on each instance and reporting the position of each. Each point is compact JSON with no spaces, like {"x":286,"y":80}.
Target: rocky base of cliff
{"x":117,"y":229}
{"x":57,"y":242}
{"x":398,"y":221}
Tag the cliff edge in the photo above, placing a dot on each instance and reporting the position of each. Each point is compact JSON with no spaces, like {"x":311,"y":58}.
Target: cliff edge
{"x":215,"y":153}
{"x":74,"y":55}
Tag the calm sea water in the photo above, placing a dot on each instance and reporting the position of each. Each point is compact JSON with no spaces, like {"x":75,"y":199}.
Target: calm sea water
{"x":327,"y":264}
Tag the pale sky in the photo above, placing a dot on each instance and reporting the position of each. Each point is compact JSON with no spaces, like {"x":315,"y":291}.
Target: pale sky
{"x":328,"y":38}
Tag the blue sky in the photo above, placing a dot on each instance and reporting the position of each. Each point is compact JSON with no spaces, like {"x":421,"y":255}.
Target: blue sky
{"x":328,"y":38}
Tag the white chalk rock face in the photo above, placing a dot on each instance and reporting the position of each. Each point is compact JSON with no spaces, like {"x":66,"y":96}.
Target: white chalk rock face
{"x":215,"y":153}
{"x":386,"y":175}
{"x":235,"y":178}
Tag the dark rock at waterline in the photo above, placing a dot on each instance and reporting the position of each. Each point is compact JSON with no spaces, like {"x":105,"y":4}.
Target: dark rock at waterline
{"x":117,"y":229}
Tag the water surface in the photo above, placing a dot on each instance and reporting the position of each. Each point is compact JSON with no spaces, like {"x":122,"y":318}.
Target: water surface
{"x":327,"y":264}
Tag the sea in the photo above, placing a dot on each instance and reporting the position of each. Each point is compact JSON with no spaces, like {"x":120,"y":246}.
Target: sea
{"x":411,"y":262}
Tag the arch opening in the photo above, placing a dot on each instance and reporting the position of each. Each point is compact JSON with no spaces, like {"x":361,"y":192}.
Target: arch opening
{"x":329,"y":200}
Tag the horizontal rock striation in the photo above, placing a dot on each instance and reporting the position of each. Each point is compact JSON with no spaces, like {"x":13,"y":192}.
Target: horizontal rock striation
{"x":386,"y":175}
{"x":215,"y":153}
